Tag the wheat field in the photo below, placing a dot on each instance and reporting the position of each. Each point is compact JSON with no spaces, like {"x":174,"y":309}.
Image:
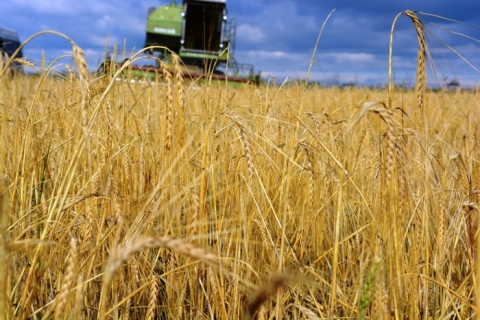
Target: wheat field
{"x":180,"y":200}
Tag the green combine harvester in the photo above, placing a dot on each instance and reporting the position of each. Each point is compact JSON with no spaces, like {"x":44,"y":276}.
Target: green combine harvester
{"x":201,"y":34}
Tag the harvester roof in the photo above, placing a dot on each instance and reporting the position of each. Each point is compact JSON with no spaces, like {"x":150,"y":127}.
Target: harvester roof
{"x":8,"y":34}
{"x":214,"y":1}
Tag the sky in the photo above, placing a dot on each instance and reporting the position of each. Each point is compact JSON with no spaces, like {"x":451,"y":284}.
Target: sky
{"x":278,"y":36}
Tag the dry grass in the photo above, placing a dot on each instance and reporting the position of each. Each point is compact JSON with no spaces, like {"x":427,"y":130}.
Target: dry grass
{"x":174,"y":200}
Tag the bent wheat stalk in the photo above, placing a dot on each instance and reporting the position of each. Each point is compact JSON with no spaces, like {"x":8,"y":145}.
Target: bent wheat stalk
{"x":421,"y":64}
{"x":121,"y":255}
{"x":420,"y":85}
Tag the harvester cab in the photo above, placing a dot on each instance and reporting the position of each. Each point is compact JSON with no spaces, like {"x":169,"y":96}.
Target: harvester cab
{"x":9,"y":43}
{"x":204,"y":27}
{"x":200,"y":33}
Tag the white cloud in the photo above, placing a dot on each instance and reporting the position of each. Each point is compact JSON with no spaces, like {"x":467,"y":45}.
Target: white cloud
{"x":51,"y":7}
{"x":250,"y":34}
{"x":105,"y":21}
{"x":268,"y":54}
{"x":99,"y":41}
{"x":66,"y":7}
{"x":347,"y":57}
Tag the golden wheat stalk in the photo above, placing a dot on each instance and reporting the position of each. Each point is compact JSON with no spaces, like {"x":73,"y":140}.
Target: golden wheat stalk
{"x":79,"y":57}
{"x":310,"y":168}
{"x":126,"y":169}
{"x":421,"y":79}
{"x":123,"y":254}
{"x":317,"y":126}
{"x":152,"y":302}
{"x":77,"y":310}
{"x":469,"y":206}
{"x":4,"y":302}
{"x":25,"y":62}
{"x":110,"y":128}
{"x":192,"y":226}
{"x":180,"y":86}
{"x":441,"y":221}
{"x":181,"y":300}
{"x":179,"y":82}
{"x":88,"y":228}
{"x":463,"y":176}
{"x":69,"y":92}
{"x":141,"y":160}
{"x":263,"y":112}
{"x":391,"y":139}
{"x":264,"y":292}
{"x":233,"y":161}
{"x":420,"y":85}
{"x":246,"y":142}
{"x":169,"y":105}
{"x":126,"y":309}
{"x":61,"y":300}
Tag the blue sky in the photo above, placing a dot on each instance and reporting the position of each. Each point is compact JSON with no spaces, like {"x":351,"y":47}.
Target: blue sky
{"x":277,"y":37}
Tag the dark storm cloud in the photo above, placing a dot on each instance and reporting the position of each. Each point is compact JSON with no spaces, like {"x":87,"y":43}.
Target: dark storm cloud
{"x":278,"y":37}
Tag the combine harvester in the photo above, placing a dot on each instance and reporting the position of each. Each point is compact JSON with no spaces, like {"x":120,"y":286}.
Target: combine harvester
{"x":199,"y":32}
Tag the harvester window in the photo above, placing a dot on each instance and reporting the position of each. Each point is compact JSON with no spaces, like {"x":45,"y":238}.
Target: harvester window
{"x":203,"y":27}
